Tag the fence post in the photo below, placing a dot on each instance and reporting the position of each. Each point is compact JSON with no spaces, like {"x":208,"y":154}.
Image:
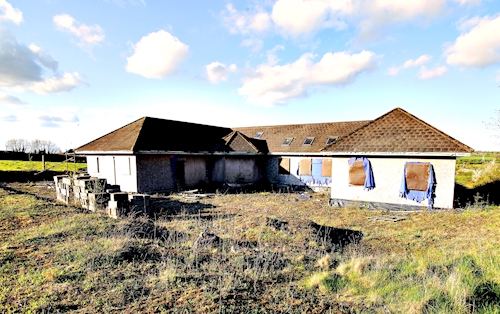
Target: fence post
{"x":43,"y":162}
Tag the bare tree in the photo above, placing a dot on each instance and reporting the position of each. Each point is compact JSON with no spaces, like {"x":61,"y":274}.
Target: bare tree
{"x":17,"y":145}
{"x":35,"y":147}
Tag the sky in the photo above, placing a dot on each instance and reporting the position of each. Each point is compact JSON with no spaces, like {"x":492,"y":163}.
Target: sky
{"x":72,"y":71}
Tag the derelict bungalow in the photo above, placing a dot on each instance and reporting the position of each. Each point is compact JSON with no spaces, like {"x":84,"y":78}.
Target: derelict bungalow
{"x":394,"y":159}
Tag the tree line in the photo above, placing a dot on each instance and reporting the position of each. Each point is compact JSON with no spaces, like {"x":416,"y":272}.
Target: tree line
{"x":22,"y":145}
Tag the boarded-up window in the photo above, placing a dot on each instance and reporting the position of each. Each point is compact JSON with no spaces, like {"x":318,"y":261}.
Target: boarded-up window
{"x":326,"y":167}
{"x":357,"y":175}
{"x":305,"y":167}
{"x":284,"y":167}
{"x":417,"y":176}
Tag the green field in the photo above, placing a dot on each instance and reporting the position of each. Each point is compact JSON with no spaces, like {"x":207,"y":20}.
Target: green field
{"x":16,"y":165}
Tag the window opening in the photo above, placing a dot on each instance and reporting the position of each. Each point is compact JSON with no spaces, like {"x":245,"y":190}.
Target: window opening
{"x":331,"y":140}
{"x":258,"y":135}
{"x":287,"y":141}
{"x":309,"y":140}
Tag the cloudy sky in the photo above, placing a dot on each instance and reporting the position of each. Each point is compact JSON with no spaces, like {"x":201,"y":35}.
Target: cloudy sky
{"x":71,"y":71}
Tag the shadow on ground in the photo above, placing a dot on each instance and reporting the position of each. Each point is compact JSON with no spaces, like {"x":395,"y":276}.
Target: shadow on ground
{"x":477,"y":197}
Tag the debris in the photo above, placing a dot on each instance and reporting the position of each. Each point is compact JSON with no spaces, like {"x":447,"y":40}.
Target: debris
{"x":207,"y":240}
{"x":276,"y":224}
{"x":393,"y":218}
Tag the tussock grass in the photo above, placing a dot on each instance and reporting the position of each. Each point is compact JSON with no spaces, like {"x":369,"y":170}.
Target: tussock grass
{"x":57,"y":259}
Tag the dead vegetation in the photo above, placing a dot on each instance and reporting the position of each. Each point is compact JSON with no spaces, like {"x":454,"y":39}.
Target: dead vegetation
{"x":237,"y":253}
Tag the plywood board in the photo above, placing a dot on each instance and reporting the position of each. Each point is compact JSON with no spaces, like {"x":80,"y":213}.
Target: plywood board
{"x":417,"y":176}
{"x":357,"y":175}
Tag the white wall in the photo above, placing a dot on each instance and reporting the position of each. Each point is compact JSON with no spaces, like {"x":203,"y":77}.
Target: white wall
{"x":387,"y":173}
{"x":119,"y":170}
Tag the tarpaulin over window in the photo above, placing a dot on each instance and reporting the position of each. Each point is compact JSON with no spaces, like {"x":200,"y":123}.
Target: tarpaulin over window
{"x":418,"y":182}
{"x":360,"y":173}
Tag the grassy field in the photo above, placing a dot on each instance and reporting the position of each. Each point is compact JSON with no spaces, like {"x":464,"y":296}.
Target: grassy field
{"x":17,"y":165}
{"x":55,"y":258}
{"x":478,"y":169}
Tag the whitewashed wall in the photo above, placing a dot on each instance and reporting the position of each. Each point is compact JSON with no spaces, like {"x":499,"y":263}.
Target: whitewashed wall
{"x":388,"y":173}
{"x":119,"y":170}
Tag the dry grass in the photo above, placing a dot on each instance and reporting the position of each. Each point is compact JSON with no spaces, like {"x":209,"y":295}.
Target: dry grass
{"x":56,"y":259}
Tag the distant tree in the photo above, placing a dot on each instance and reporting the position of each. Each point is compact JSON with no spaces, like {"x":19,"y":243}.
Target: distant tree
{"x":17,"y":145}
{"x":35,"y":146}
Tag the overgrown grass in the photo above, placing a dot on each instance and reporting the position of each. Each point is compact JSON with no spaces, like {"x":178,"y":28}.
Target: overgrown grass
{"x":477,"y":170}
{"x":56,"y":259}
{"x":17,"y":165}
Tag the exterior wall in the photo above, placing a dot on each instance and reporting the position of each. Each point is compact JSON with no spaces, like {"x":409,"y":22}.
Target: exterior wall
{"x":388,"y":173}
{"x":117,"y":170}
{"x":195,"y":170}
{"x":154,"y":173}
{"x":219,"y":171}
{"x":315,"y":180}
{"x":241,"y":170}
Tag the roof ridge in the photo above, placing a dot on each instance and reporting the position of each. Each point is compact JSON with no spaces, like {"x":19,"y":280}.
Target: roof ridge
{"x":470,"y":149}
{"x":297,"y":124}
{"x":126,"y":125}
{"x":139,"y":133}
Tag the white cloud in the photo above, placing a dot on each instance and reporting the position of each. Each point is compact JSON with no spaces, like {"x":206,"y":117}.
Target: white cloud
{"x":432,"y":73}
{"x":22,"y":68}
{"x":254,"y":43}
{"x":45,"y":59}
{"x":87,"y":35}
{"x":393,"y":70}
{"x":9,"y":118}
{"x":7,"y":99}
{"x":274,"y":84}
{"x":244,"y":23}
{"x":18,"y":64}
{"x":417,"y":62}
{"x":53,"y":121}
{"x":217,"y":71}
{"x":8,"y":13}
{"x":410,"y":63}
{"x":480,"y":47}
{"x":157,"y":55}
{"x":299,"y":16}
{"x":63,"y":83}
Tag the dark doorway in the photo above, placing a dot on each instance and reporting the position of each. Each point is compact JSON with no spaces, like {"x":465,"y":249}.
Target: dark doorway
{"x":179,"y":174}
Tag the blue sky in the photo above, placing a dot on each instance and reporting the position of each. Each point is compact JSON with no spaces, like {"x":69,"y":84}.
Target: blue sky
{"x":71,"y":71}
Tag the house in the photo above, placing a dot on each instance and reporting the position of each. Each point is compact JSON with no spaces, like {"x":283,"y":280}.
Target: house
{"x":150,"y":155}
{"x":156,"y":155}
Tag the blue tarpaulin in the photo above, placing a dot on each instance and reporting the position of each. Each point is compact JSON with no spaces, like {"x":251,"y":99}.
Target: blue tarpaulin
{"x":415,"y":195}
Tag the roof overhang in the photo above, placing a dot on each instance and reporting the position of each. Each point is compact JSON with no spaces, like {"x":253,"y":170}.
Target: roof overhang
{"x":164,"y":152}
{"x":379,"y":154}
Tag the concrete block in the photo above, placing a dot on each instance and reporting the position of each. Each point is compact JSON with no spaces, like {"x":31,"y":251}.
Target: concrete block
{"x":119,"y":196}
{"x":67,"y":180}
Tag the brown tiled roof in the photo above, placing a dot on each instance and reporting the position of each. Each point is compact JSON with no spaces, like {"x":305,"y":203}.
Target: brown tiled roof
{"x":398,"y":131}
{"x":276,"y":134}
{"x":147,"y":134}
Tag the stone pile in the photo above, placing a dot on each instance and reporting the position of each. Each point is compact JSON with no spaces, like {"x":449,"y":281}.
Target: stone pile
{"x":96,"y":194}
